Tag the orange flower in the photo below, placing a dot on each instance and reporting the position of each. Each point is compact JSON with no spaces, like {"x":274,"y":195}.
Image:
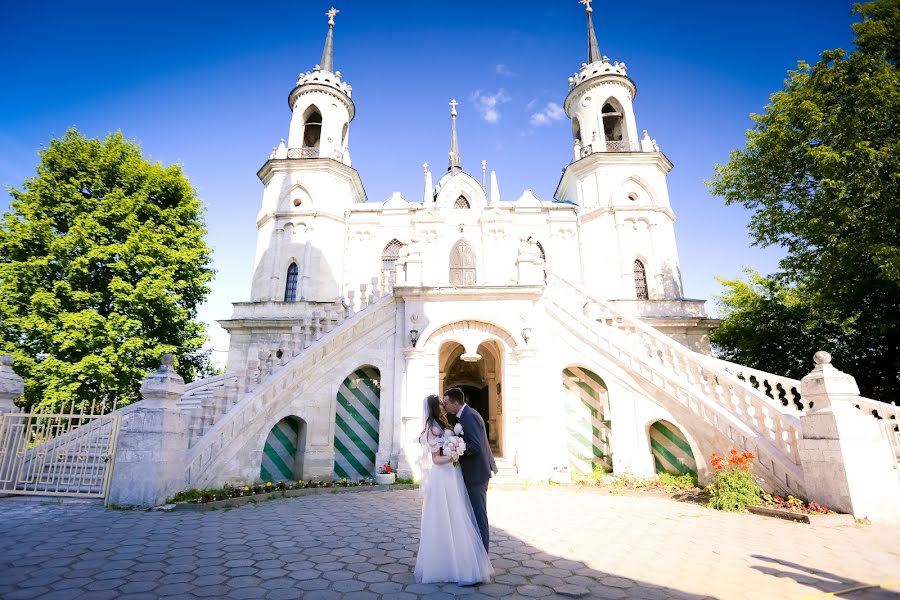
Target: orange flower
{"x":733,"y":452}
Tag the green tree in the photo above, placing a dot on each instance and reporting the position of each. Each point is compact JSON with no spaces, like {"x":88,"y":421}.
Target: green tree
{"x":102,"y":267}
{"x":821,"y":173}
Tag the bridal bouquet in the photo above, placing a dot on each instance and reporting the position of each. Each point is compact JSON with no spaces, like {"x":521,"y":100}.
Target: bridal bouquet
{"x":454,"y":446}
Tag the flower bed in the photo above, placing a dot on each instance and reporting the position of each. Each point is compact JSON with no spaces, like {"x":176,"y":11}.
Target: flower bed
{"x":230,"y":496}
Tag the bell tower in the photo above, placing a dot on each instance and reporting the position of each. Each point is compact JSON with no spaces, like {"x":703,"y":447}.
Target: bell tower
{"x":617,"y":180}
{"x":321,"y":109}
{"x":309,"y":184}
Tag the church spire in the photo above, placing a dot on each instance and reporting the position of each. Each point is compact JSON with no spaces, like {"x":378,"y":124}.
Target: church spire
{"x":327,"y":63}
{"x":593,"y":48}
{"x":454,"y":143}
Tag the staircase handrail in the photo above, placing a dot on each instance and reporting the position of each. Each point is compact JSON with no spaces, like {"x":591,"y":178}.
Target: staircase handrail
{"x":776,"y":387}
{"x":204,"y":446}
{"x":769,"y":424}
{"x":765,"y":448}
{"x":209,"y":381}
{"x":700,"y":361}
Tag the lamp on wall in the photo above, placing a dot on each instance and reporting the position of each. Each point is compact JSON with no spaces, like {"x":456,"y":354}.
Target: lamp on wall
{"x":526,"y":334}
{"x":414,"y":336}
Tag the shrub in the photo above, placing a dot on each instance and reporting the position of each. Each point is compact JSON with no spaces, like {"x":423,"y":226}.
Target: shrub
{"x":678,"y":483}
{"x":734,"y":488}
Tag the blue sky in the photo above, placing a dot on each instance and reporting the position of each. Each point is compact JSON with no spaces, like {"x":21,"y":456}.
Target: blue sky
{"x":205,"y":84}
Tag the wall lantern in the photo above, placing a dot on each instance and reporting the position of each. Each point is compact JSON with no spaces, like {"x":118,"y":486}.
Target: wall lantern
{"x":414,"y":336}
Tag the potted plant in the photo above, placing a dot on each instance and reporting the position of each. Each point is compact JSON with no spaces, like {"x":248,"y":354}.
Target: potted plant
{"x":386,"y":475}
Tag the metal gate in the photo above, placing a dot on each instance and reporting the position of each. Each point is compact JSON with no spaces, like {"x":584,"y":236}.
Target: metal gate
{"x":67,"y":453}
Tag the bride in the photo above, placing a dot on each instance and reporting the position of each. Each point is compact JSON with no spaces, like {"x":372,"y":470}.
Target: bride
{"x":450,"y":547}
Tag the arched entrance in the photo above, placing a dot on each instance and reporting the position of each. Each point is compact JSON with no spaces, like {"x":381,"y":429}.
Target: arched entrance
{"x":587,"y":424}
{"x":671,"y":450}
{"x":282,"y":458}
{"x":356,"y":418}
{"x":480,"y":377}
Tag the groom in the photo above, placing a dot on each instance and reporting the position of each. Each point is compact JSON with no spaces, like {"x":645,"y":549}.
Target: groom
{"x":477,"y":462}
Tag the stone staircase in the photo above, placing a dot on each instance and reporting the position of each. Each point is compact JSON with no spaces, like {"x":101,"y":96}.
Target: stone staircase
{"x":226,"y":411}
{"x":507,"y":475}
{"x":720,"y":402}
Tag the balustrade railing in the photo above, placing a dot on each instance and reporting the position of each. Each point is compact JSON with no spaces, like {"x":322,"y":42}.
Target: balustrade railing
{"x":622,"y":146}
{"x":303,"y":153}
{"x":263,"y":375}
{"x":776,"y":427}
{"x":207,"y":406}
{"x":776,"y":387}
{"x":307,"y":152}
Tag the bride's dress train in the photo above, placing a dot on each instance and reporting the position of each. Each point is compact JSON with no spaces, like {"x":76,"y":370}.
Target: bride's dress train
{"x":450,"y":547}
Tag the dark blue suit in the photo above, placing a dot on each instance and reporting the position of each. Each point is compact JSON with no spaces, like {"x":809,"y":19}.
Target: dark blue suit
{"x":477,"y":464}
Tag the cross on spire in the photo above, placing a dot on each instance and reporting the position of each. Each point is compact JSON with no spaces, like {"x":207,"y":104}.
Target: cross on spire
{"x":593,"y":48}
{"x":327,"y":63}
{"x":454,"y":144}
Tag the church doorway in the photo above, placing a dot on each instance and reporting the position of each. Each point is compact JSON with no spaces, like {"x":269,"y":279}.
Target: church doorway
{"x":480,"y":377}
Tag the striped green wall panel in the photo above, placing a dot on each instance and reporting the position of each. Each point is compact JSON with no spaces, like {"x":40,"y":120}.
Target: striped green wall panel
{"x":280,"y":452}
{"x":587,"y":420}
{"x":356,"y":424}
{"x":671,"y":451}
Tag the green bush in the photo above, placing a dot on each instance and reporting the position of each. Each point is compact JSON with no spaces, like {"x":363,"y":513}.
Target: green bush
{"x":734,"y":487}
{"x":678,"y":483}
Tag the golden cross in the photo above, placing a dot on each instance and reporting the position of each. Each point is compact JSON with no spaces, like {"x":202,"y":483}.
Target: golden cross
{"x":587,"y":4}
{"x":453,"y":105}
{"x":330,"y":14}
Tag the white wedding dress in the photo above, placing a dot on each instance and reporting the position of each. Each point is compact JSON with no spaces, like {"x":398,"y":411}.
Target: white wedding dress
{"x":450,"y":547}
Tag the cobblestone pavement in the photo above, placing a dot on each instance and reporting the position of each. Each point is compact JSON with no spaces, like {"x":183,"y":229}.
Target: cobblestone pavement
{"x":545,"y":543}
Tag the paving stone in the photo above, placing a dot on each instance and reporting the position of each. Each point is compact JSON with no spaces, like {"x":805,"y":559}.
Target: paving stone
{"x":348,"y":585}
{"x":174,"y":589}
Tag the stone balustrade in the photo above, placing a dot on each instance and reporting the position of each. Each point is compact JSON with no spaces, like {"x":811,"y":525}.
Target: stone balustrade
{"x":309,"y":344}
{"x":763,"y":425}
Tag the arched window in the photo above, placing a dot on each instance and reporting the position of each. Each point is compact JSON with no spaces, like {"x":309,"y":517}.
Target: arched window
{"x":640,"y":281}
{"x":389,"y":262}
{"x":290,"y":286}
{"x":462,"y":264}
{"x":461,"y":202}
{"x":576,"y":131}
{"x":613,"y":123}
{"x":312,"y":127}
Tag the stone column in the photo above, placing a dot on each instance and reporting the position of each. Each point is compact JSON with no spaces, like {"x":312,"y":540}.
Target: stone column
{"x":153,"y":442}
{"x":11,"y":386}
{"x":11,"y":441}
{"x":847,"y":462}
{"x":411,"y":412}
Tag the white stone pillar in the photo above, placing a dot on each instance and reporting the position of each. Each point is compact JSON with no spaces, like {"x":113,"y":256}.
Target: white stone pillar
{"x":11,"y":385}
{"x":847,"y":463}
{"x":153,"y":440}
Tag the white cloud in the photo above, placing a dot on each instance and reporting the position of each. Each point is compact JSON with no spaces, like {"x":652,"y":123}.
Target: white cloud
{"x":550,"y":113}
{"x":487,"y":104}
{"x":505,"y":71}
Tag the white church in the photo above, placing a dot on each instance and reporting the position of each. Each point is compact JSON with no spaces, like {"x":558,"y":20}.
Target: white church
{"x":563,"y":320}
{"x":465,"y":268}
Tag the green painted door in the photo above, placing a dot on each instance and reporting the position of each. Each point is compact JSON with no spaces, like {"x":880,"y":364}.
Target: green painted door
{"x":356,"y":424}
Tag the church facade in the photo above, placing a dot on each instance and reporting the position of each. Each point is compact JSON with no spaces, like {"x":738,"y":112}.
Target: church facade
{"x":467,"y":270}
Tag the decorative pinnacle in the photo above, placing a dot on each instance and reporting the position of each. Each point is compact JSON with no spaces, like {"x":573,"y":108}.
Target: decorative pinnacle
{"x":454,"y":143}
{"x":327,"y":63}
{"x":425,"y":167}
{"x":593,"y":48}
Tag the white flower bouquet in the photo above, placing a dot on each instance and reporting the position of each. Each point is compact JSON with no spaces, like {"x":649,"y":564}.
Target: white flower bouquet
{"x":454,"y":445}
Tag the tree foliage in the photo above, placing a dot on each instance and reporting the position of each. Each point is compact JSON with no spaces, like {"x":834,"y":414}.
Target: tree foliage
{"x":102,"y":267}
{"x":821,"y":173}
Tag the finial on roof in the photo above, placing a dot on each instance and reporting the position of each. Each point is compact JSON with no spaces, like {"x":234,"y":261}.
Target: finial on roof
{"x":593,"y":48}
{"x":327,"y":63}
{"x":454,"y":143}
